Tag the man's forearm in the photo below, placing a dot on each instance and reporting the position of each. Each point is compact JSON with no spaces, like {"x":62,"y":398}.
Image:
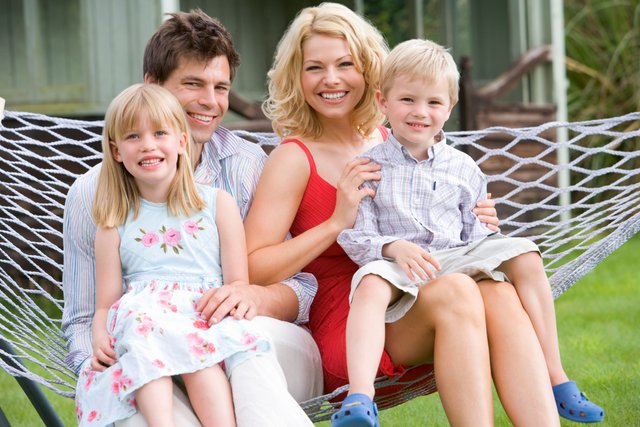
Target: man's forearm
{"x":278,"y":301}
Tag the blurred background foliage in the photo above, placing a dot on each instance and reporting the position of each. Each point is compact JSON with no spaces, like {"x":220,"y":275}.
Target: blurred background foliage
{"x":602,"y":40}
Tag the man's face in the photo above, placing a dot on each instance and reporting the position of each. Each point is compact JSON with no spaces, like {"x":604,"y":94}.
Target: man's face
{"x":203,"y":91}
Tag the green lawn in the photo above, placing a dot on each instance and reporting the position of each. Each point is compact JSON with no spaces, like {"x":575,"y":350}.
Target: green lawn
{"x":598,"y":324}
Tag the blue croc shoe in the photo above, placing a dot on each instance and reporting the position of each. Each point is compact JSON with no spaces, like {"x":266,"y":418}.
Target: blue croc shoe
{"x":357,"y":410}
{"x":573,"y":404}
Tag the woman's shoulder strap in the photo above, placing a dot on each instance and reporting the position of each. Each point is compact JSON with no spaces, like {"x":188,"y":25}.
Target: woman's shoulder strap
{"x":312,"y":163}
{"x":384,"y":132}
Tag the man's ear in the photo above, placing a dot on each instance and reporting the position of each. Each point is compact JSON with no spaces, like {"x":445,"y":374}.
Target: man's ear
{"x":149,"y":79}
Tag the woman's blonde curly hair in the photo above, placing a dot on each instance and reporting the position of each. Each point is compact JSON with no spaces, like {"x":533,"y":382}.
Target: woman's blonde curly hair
{"x":286,"y":106}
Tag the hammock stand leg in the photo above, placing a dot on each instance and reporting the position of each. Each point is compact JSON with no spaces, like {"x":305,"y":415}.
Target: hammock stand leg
{"x":4,"y":422}
{"x":32,"y":390}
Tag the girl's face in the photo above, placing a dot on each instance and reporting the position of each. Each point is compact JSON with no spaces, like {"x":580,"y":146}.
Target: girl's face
{"x":331,"y":84}
{"x":150,"y":153}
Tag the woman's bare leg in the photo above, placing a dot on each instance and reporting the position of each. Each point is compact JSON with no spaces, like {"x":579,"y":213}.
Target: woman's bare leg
{"x":446,"y":326}
{"x":210,"y":395}
{"x":155,"y":400}
{"x":519,"y":369}
{"x":527,"y":274}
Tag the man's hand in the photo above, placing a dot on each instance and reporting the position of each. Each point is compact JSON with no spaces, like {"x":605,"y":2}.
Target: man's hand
{"x":235,"y":299}
{"x":414,"y":260}
{"x":485,"y":210}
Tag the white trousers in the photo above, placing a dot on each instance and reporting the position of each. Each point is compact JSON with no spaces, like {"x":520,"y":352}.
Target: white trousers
{"x":265,"y":395}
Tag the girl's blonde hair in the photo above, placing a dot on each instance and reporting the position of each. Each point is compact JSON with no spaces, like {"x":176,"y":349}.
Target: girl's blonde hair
{"x":421,"y":60}
{"x":286,"y":106}
{"x":117,"y":192}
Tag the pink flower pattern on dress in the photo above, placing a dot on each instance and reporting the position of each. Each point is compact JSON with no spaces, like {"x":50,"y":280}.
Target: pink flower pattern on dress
{"x":171,"y":239}
{"x":164,"y":300}
{"x":249,"y":338}
{"x":90,"y":377}
{"x":120,"y":382}
{"x":92,"y":416}
{"x":201,"y":324}
{"x":199,"y":346}
{"x":148,"y":239}
{"x":192,"y":227}
{"x":145,"y":326}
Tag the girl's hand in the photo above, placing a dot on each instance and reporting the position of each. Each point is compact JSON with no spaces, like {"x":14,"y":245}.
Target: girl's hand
{"x":350,"y":190}
{"x":103,"y":353}
{"x":414,"y":260}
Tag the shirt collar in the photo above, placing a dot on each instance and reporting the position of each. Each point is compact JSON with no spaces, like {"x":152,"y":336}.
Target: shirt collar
{"x":223,"y":144}
{"x":434,"y":150}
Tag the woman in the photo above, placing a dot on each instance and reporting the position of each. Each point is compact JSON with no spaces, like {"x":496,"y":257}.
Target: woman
{"x":321,"y":98}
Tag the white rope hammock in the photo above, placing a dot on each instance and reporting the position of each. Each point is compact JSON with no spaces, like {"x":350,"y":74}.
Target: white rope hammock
{"x":40,"y":156}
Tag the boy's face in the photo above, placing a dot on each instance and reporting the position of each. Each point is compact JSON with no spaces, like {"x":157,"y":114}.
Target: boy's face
{"x":417,"y":110}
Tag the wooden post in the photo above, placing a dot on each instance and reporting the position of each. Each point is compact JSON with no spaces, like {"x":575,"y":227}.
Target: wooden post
{"x":1,"y":109}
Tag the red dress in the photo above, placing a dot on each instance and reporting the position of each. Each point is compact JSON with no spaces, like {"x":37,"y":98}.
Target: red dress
{"x":333,"y":269}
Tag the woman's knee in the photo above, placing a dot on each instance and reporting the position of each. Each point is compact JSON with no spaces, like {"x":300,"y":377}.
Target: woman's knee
{"x":455,"y":294}
{"x":500,"y":297}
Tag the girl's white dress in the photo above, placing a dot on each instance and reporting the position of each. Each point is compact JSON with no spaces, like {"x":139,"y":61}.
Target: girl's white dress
{"x":168,"y":262}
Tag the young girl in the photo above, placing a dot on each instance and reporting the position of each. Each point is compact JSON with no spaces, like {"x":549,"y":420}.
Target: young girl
{"x":167,"y":240}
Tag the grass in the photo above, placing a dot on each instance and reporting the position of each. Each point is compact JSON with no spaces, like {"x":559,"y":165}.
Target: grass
{"x":597,"y":320}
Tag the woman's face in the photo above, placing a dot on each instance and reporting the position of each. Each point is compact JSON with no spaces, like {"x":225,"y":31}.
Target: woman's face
{"x":331,"y":83}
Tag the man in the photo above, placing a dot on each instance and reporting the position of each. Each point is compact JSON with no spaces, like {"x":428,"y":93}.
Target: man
{"x":192,"y":55}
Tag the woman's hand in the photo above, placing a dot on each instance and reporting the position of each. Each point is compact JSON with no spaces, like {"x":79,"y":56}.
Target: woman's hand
{"x":485,"y":210}
{"x":351,"y":191}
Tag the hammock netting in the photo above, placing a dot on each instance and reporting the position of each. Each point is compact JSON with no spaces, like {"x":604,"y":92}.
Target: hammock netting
{"x":573,"y":188}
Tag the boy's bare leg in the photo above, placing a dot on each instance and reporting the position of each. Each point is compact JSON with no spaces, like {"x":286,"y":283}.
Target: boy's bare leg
{"x":366,"y":332}
{"x":526,"y":272}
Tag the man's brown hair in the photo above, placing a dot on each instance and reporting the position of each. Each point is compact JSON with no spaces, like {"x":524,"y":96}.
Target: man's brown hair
{"x":192,"y":35}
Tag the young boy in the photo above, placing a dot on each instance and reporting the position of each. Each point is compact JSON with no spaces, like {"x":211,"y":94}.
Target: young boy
{"x":419,"y":225}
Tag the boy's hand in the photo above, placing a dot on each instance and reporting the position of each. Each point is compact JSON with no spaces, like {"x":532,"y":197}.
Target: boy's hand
{"x":485,"y":210}
{"x":103,"y":353}
{"x":414,"y":260}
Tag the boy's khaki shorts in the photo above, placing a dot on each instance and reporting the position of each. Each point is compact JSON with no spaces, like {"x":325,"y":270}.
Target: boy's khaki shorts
{"x":479,"y":260}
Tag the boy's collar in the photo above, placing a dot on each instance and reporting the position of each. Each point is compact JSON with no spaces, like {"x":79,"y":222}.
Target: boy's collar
{"x":433,"y":151}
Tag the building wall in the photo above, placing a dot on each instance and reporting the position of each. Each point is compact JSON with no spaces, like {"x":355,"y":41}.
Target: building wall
{"x":71,"y":57}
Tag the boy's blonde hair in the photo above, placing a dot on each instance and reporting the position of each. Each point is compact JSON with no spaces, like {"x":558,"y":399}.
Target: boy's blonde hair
{"x":286,"y":106}
{"x":421,"y":60}
{"x":117,"y":192}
